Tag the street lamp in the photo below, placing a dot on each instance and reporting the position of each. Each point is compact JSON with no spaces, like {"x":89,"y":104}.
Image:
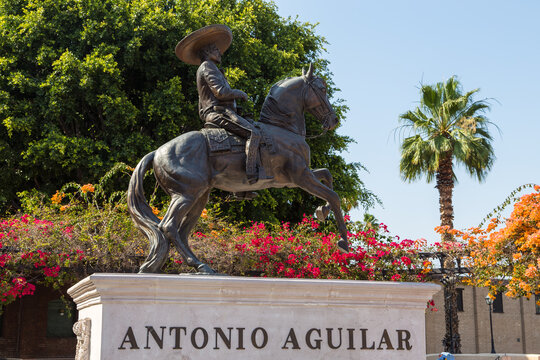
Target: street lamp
{"x":489,"y":301}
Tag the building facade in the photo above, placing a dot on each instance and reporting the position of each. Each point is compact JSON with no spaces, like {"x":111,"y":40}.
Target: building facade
{"x":516,"y":323}
{"x":37,"y":326}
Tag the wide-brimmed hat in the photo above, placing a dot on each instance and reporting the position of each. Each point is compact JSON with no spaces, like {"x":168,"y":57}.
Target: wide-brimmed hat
{"x":188,"y":48}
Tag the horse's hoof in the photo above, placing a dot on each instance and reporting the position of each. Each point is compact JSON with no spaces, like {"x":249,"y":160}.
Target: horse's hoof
{"x":322,"y":213}
{"x":343,"y":246}
{"x":204,"y":269}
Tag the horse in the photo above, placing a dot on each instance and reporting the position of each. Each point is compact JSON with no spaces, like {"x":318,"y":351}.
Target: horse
{"x":185,"y":170}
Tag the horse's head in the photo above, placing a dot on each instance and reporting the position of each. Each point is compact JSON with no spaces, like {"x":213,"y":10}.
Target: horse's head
{"x":316,"y":100}
{"x":289,"y":98}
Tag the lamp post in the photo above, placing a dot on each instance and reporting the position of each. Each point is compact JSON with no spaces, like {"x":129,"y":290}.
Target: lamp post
{"x":489,"y":301}
{"x":451,"y":341}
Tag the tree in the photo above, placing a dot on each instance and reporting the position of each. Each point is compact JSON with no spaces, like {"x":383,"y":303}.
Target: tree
{"x":85,"y":84}
{"x":448,"y":125}
{"x":505,"y":256}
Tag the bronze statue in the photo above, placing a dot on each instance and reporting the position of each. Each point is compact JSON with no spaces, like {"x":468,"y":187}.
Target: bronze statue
{"x":217,"y":101}
{"x":189,"y":166}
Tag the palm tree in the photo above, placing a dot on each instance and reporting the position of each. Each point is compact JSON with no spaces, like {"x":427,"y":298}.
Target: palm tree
{"x":448,"y":125}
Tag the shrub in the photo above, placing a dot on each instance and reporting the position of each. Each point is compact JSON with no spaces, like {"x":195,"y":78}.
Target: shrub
{"x":81,"y":230}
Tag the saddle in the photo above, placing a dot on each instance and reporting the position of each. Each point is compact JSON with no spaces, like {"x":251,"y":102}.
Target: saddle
{"x":221,"y":142}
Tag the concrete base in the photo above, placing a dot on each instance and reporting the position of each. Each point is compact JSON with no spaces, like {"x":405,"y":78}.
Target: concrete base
{"x":130,"y":316}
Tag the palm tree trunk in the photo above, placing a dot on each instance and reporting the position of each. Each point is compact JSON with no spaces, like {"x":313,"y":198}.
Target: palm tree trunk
{"x":445,"y":185}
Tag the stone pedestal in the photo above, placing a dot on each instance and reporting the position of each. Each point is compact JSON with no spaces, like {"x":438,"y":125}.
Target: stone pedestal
{"x":130,"y":316}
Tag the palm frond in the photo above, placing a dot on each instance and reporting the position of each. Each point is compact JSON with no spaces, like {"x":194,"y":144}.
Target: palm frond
{"x":447,"y":121}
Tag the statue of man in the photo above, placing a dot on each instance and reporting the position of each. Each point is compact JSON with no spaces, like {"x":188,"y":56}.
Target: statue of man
{"x":217,"y":100}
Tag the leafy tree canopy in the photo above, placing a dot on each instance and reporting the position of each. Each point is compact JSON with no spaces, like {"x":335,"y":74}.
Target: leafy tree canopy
{"x":87,"y":83}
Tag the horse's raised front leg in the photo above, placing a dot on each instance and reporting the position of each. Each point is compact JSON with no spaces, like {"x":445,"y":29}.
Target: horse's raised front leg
{"x":324,"y":176}
{"x":170,"y":225}
{"x":309,"y":182}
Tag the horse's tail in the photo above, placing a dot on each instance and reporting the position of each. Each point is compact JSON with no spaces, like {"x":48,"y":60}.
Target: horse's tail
{"x":145,"y":219}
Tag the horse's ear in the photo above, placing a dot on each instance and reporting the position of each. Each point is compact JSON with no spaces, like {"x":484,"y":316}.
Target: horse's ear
{"x":303,"y":72}
{"x":310,"y":71}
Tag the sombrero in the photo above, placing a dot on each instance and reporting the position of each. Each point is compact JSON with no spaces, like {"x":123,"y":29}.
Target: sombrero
{"x":188,"y":48}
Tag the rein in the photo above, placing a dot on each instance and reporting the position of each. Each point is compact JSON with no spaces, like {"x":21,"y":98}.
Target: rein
{"x":325,"y":116}
{"x":318,"y":135}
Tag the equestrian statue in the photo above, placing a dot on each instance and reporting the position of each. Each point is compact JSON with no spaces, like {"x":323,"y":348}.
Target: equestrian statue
{"x":232,"y":153}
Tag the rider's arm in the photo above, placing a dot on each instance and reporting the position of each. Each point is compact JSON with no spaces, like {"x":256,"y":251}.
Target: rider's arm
{"x":219,"y":85}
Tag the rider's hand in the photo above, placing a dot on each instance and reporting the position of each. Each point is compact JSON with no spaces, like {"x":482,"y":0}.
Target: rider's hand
{"x":239,"y":94}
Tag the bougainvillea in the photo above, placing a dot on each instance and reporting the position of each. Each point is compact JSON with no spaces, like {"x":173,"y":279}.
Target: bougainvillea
{"x":31,"y":252}
{"x":303,"y":251}
{"x":505,"y":256}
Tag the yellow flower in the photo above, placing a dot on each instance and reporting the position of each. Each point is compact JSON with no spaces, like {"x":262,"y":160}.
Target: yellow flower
{"x":64,"y":207}
{"x":87,"y":188}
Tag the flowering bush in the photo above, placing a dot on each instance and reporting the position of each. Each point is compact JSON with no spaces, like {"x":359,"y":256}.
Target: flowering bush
{"x":505,"y":256}
{"x":33,"y":251}
{"x":80,"y":230}
{"x":302,"y":251}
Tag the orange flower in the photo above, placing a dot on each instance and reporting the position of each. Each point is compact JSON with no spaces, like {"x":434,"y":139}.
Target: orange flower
{"x":204,"y":214}
{"x":87,"y":188}
{"x":531,"y":272}
{"x":526,"y":287}
{"x":64,"y":207}
{"x":155,"y":210}
{"x":57,"y":197}
{"x":517,"y":256}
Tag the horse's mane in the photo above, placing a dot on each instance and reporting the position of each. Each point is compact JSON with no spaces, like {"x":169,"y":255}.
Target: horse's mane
{"x":271,"y":113}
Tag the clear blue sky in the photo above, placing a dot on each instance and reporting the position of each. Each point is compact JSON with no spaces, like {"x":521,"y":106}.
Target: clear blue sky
{"x":380,"y":51}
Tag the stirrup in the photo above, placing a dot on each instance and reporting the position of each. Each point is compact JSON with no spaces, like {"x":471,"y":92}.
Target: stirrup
{"x":252,"y":179}
{"x":245,"y":195}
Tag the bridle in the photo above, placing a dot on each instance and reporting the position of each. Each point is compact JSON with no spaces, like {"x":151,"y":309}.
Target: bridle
{"x":326,"y":116}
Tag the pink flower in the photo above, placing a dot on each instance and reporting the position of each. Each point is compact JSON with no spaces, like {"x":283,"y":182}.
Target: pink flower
{"x":52,"y":272}
{"x":406,"y":260}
